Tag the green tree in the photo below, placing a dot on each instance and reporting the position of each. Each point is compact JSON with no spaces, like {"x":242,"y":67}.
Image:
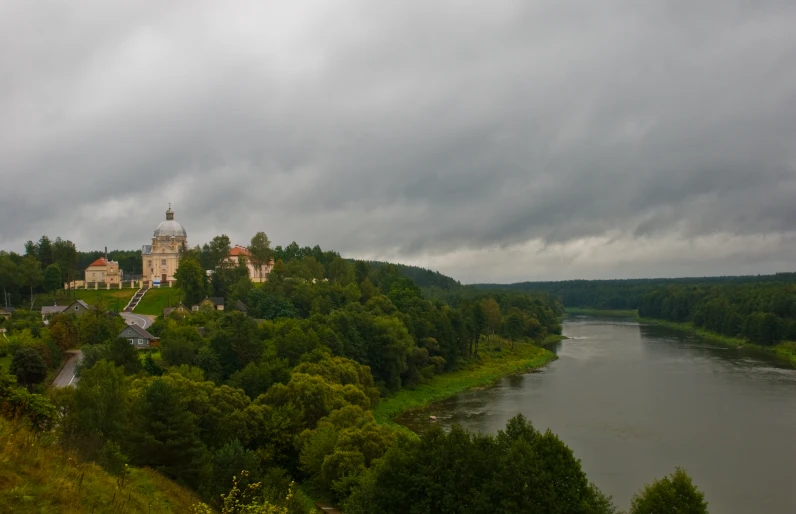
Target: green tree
{"x":123,"y":354}
{"x":216,"y":252}
{"x":260,"y":251}
{"x":166,"y":434}
{"x":28,"y":366}
{"x":52,"y":278}
{"x":674,"y":494}
{"x":101,"y":401}
{"x":192,"y":280}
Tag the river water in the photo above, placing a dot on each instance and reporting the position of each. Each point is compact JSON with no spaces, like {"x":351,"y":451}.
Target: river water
{"x":634,"y":401}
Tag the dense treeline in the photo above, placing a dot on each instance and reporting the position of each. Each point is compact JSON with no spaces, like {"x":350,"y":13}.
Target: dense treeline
{"x":624,"y":293}
{"x":763,"y":313}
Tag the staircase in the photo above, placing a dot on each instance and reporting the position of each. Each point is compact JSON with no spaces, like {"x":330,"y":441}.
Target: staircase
{"x":136,"y":298}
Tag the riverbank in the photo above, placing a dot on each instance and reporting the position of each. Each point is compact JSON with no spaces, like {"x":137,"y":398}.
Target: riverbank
{"x":493,"y":366}
{"x":605,"y":313}
{"x":785,"y":351}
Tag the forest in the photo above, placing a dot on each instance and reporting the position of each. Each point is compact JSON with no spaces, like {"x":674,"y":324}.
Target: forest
{"x":624,"y":294}
{"x":763,"y":313}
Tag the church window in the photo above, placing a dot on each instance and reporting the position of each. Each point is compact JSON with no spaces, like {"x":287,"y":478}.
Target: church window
{"x":163,"y":262}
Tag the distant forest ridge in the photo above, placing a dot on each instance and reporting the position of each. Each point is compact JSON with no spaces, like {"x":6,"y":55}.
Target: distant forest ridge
{"x":625,"y":293}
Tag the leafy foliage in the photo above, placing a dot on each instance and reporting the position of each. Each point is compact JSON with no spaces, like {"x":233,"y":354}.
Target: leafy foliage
{"x":675,"y":493}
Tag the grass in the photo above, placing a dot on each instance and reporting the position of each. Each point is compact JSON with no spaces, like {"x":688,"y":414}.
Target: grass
{"x":38,"y":476}
{"x":115,"y":299}
{"x":492,"y":366}
{"x":608,"y":313}
{"x":156,"y":299}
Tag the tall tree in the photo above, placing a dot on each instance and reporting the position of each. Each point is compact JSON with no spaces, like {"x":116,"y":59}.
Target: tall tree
{"x":32,"y":275}
{"x":260,"y":251}
{"x":216,"y":251}
{"x":45,"y":251}
{"x":192,"y":280}
{"x":166,"y":434}
{"x":52,"y":278}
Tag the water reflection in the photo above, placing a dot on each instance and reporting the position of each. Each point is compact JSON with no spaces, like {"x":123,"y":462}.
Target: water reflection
{"x":634,"y":401}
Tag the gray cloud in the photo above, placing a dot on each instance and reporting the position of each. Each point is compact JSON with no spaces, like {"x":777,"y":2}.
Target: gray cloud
{"x":508,"y":141}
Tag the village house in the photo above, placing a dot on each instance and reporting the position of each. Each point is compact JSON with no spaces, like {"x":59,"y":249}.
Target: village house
{"x":212,"y":303}
{"x":138,"y":337}
{"x":78,"y":308}
{"x":104,"y":271}
{"x":240,"y":254}
{"x":6,"y":312}
{"x":180,"y":310}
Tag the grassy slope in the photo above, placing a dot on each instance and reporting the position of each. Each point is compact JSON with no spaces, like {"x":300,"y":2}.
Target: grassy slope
{"x":156,"y":299}
{"x":37,"y":476}
{"x":112,"y":298}
{"x":493,"y":366}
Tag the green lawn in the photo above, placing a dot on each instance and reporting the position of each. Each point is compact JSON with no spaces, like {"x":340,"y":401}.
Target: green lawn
{"x":114,"y":299}
{"x":156,"y":299}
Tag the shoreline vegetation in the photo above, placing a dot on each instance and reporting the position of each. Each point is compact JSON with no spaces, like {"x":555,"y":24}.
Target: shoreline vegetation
{"x":494,"y":365}
{"x":785,"y":351}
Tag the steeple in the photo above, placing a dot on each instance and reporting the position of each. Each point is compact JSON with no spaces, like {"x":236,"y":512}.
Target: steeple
{"x":169,"y":213}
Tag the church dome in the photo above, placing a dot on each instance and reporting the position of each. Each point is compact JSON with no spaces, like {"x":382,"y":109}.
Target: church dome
{"x":170,"y":228}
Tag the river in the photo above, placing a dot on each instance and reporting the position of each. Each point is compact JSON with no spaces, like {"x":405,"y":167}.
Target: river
{"x":634,"y":401}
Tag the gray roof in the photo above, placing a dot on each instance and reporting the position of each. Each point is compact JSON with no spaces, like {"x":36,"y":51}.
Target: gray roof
{"x":167,"y":310}
{"x":146,"y":249}
{"x":170,"y":228}
{"x":81,"y":302}
{"x":217,"y":300}
{"x":241,"y":306}
{"x":53,"y":309}
{"x":138,"y":330}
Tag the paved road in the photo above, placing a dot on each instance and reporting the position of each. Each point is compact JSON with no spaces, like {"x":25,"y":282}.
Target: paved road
{"x":141,"y":320}
{"x":67,"y":375}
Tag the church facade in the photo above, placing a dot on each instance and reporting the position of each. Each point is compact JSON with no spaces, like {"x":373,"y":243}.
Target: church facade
{"x":162,"y":257}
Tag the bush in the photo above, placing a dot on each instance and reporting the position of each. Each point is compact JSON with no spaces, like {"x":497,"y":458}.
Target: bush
{"x":675,"y":494}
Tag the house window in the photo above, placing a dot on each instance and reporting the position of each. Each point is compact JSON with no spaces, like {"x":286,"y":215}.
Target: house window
{"x":141,"y":341}
{"x":76,"y":307}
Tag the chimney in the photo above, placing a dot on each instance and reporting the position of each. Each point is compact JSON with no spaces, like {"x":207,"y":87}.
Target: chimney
{"x":106,"y":253}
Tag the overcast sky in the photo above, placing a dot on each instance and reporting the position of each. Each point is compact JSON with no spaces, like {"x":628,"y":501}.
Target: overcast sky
{"x":494,"y":141}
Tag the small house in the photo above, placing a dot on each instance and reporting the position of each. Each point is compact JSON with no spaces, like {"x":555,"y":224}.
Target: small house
{"x":179,"y":311}
{"x":6,"y":312}
{"x":138,"y":337}
{"x":213,"y":303}
{"x":78,"y":308}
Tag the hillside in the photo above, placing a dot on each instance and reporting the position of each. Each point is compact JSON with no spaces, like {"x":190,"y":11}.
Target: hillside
{"x":156,"y":299}
{"x":36,"y":475}
{"x":423,"y":277}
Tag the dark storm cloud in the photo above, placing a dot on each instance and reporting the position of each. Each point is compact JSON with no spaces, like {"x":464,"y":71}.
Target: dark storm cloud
{"x":501,"y":140}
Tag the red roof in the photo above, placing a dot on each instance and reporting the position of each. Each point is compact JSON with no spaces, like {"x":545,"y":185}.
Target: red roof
{"x":99,"y":262}
{"x":238,"y":250}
